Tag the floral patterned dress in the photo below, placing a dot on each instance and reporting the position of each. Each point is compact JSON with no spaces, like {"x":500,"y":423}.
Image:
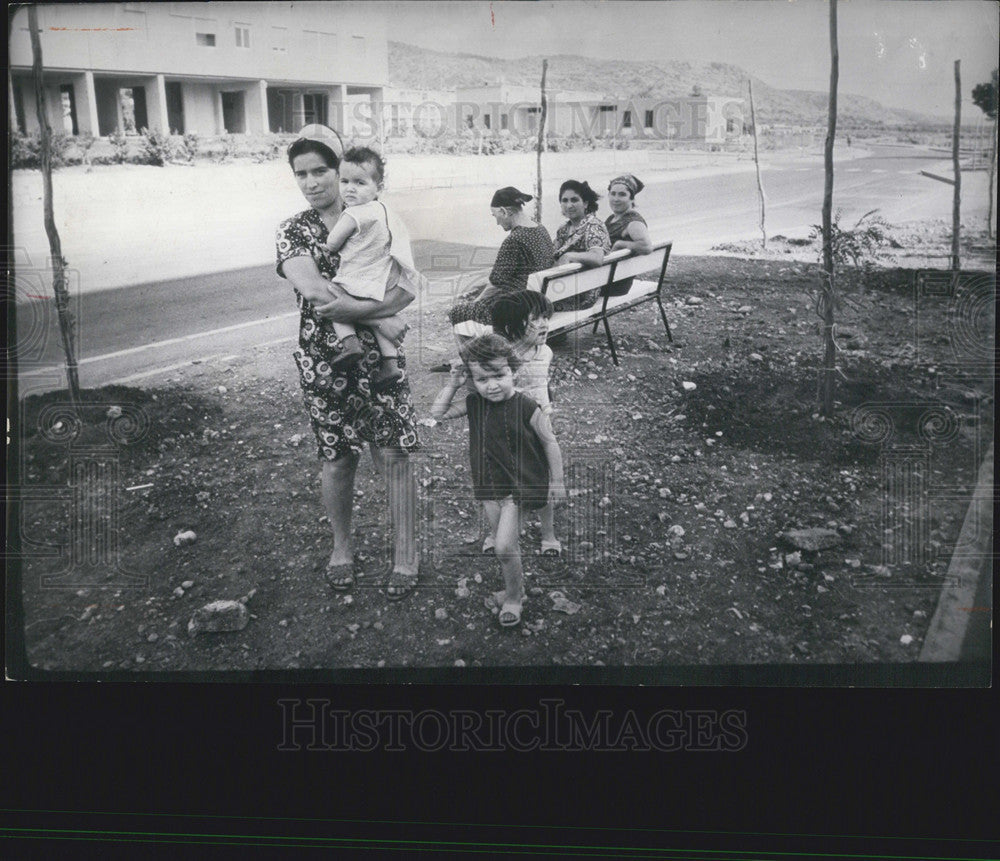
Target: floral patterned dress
{"x":589,"y":233}
{"x":344,"y":412}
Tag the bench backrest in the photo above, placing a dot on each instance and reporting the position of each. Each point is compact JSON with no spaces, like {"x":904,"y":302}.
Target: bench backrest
{"x":571,"y":279}
{"x":632,"y":266}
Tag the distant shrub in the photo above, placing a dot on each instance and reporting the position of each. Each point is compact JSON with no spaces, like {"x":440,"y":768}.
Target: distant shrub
{"x":26,"y":150}
{"x":155,"y":148}
{"x":189,"y":146}
{"x":119,"y":146}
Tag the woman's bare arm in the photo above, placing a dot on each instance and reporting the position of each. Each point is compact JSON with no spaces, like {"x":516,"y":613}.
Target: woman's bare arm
{"x":339,"y":306}
{"x":637,"y":239}
{"x":591,"y":257}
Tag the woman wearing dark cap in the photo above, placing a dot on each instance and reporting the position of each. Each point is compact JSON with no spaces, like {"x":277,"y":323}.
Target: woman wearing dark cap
{"x":344,"y":412}
{"x":527,"y":248}
{"x":626,"y":228}
{"x":582,"y":239}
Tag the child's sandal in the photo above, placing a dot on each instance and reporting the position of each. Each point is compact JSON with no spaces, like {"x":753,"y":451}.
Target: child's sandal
{"x":489,"y":546}
{"x":552,"y":548}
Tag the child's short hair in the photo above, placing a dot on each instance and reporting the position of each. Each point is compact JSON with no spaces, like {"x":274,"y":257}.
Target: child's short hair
{"x":487,"y":349}
{"x":512,"y":312}
{"x":362,"y":155}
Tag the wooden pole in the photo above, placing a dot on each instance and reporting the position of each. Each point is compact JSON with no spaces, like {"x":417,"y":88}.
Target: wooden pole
{"x":756,"y":161}
{"x":66,"y":324}
{"x":540,"y":147}
{"x":991,"y":230}
{"x":827,"y":294}
{"x":956,"y":204}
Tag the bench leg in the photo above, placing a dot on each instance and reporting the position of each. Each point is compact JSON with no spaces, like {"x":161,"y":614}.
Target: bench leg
{"x":596,"y":324}
{"x":663,"y":314}
{"x":611,"y":343}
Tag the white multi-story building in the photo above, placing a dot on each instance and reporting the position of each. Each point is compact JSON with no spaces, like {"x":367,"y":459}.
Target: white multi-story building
{"x":210,"y":68}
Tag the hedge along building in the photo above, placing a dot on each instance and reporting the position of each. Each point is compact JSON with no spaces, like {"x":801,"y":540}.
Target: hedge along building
{"x":211,"y":68}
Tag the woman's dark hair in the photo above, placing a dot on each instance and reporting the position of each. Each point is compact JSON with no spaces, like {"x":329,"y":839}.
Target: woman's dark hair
{"x":362,"y":155}
{"x":487,"y":349}
{"x":511,"y":313}
{"x":303,"y":146}
{"x":587,"y":194}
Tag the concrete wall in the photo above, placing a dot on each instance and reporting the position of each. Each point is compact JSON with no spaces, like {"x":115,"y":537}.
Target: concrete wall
{"x":200,"y":115}
{"x":320,"y":40}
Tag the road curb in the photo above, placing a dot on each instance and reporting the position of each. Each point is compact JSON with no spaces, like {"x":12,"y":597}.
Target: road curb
{"x":949,"y":627}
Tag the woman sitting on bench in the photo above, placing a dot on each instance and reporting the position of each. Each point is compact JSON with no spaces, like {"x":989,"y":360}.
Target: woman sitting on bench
{"x":626,"y":227}
{"x":582,"y":239}
{"x":527,"y":248}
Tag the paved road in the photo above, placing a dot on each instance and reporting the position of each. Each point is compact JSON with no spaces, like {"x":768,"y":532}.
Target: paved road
{"x":131,"y":331}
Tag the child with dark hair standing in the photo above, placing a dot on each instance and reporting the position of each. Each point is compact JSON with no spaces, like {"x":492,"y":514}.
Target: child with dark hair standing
{"x":374,"y":252}
{"x":516,"y":462}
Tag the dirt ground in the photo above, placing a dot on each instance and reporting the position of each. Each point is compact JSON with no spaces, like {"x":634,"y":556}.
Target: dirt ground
{"x":679,"y":495}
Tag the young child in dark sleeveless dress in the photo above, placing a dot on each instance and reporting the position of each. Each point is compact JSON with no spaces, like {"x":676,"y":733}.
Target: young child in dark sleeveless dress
{"x":515,"y":458}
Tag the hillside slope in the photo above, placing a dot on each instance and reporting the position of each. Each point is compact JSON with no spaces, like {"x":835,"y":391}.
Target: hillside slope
{"x":421,"y":68}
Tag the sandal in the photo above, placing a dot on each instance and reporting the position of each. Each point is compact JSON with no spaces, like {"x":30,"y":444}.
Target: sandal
{"x":552,"y":548}
{"x":497,"y":603}
{"x":340,"y":577}
{"x":403,"y":583}
{"x":489,"y":545}
{"x":510,"y":615}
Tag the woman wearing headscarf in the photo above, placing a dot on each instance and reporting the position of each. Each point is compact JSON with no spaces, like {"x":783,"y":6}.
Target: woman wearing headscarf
{"x":626,"y":228}
{"x":345,"y":413}
{"x":527,"y":248}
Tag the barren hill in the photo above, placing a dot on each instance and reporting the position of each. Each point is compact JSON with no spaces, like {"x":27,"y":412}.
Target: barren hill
{"x":421,"y":68}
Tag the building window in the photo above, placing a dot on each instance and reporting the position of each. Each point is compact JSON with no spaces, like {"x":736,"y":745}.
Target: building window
{"x":279,"y":39}
{"x":649,"y":119}
{"x":242,"y":35}
{"x":607,"y":109}
{"x":487,"y":119}
{"x":504,"y":122}
{"x":206,"y":40}
{"x":627,"y":119}
{"x":321,"y":42}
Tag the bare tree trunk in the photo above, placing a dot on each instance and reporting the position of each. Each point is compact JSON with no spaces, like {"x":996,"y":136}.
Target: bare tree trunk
{"x":540,"y":147}
{"x":991,"y":214}
{"x":828,"y":288}
{"x":66,"y":324}
{"x":956,"y":205}
{"x":756,"y":161}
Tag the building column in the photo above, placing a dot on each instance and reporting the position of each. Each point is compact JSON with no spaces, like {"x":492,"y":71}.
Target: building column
{"x":265,"y":120}
{"x":156,"y":105}
{"x":11,"y":101}
{"x":86,"y":106}
{"x":335,"y":108}
{"x":220,"y":125}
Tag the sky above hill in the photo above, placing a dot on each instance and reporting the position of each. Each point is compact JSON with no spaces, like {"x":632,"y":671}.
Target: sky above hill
{"x":899,"y":52}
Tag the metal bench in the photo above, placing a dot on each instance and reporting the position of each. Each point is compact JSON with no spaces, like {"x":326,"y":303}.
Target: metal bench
{"x":573,"y":279}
